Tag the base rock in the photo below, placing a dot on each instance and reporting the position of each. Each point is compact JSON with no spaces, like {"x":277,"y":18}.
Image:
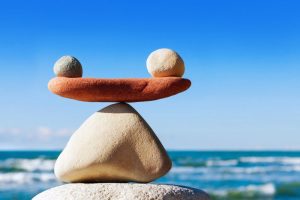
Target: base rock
{"x":121,"y":191}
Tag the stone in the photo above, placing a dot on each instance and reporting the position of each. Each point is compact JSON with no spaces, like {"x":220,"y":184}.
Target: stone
{"x":121,"y":191}
{"x":68,"y":66}
{"x":165,"y":63}
{"x":115,"y":144}
{"x":117,"y":90}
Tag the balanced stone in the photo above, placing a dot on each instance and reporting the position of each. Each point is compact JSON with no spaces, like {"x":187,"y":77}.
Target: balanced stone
{"x":115,"y":144}
{"x":117,"y":90}
{"x":68,"y":66}
{"x":164,"y":63}
{"x":121,"y":191}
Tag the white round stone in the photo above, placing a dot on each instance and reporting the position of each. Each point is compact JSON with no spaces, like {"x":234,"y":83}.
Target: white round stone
{"x":164,"y":63}
{"x":121,"y":191}
{"x":68,"y":66}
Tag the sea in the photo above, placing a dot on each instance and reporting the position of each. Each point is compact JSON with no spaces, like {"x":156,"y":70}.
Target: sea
{"x":232,"y":175}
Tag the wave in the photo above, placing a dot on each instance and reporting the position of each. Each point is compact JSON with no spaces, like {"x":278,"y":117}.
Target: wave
{"x":263,"y":191}
{"x":206,"y":163}
{"x":21,"y":178}
{"x":184,"y":170}
{"x":245,"y":192}
{"x":231,"y":162}
{"x":260,"y":169}
{"x":26,"y":165}
{"x":241,"y":162}
{"x":283,"y":160}
{"x":236,"y":169}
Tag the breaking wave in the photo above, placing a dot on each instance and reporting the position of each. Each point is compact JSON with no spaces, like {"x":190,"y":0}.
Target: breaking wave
{"x":264,"y":191}
{"x":282,"y":160}
{"x":238,"y":161}
{"x":246,"y":192}
{"x":19,"y":171}
{"x":20,"y":178}
{"x":26,"y":165}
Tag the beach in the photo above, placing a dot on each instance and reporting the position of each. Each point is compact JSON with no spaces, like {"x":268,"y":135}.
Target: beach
{"x":223,"y":174}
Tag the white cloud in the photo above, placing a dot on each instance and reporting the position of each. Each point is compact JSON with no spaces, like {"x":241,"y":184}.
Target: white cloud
{"x":40,"y":137}
{"x":44,"y":132}
{"x":10,"y":131}
{"x":64,"y":132}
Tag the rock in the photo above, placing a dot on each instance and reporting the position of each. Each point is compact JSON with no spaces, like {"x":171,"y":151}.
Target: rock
{"x":117,"y":90}
{"x":121,"y":191}
{"x":164,"y":63}
{"x":115,"y":144}
{"x":68,"y":66}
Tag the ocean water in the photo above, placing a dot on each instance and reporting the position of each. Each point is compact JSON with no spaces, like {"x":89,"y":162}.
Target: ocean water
{"x":223,"y":174}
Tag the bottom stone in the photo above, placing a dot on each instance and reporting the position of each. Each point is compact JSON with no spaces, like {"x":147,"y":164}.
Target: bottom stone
{"x":121,"y":191}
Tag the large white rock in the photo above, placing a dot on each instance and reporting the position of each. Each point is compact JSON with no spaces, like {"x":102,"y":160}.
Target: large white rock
{"x":165,"y":63}
{"x":113,"y":145}
{"x":121,"y":191}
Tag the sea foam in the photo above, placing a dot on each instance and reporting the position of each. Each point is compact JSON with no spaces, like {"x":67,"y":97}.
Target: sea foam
{"x":30,"y":165}
{"x":283,"y":160}
{"x":21,"y":178}
{"x":245,"y":192}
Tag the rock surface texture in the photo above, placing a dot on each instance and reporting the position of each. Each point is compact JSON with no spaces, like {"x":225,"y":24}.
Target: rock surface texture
{"x":115,"y":144}
{"x":164,"y":63}
{"x":121,"y":191}
{"x":68,"y":66}
{"x":117,"y":90}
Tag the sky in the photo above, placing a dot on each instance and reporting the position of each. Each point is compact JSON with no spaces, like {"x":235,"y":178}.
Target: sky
{"x":243,"y":58}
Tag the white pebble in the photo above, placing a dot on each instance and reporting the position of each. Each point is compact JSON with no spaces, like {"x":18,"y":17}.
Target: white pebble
{"x":164,"y":63}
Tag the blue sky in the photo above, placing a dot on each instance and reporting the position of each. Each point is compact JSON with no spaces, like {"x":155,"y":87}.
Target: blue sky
{"x":241,"y":56}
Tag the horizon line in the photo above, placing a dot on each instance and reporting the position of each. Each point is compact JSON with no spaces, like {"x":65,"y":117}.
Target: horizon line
{"x":170,"y":150}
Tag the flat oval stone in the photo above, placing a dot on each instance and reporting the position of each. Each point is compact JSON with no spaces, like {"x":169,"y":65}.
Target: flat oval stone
{"x":118,"y":90}
{"x":122,"y":191}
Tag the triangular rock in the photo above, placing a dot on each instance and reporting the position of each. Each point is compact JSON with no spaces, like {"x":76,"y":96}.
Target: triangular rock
{"x":115,"y":144}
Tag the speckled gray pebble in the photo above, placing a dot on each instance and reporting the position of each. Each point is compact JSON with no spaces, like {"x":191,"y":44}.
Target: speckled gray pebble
{"x":68,"y":66}
{"x":121,"y":191}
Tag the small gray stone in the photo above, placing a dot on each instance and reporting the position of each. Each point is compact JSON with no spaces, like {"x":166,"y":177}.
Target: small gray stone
{"x":68,"y":66}
{"x":121,"y":191}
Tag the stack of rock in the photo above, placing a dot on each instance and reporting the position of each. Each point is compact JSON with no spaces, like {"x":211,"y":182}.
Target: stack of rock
{"x":115,"y":147}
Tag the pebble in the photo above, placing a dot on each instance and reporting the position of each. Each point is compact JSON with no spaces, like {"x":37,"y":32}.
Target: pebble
{"x":68,"y":66}
{"x":165,"y":63}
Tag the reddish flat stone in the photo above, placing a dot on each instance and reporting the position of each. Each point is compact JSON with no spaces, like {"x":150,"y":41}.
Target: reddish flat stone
{"x":117,"y":90}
